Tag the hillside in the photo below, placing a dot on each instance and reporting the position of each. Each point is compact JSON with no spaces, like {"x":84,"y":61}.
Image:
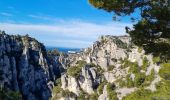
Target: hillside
{"x":113,"y":68}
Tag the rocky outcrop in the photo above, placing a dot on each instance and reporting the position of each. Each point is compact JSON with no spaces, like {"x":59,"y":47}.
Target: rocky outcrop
{"x":111,"y":68}
{"x":25,"y":67}
{"x":116,"y":61}
{"x":70,"y":83}
{"x":86,"y":81}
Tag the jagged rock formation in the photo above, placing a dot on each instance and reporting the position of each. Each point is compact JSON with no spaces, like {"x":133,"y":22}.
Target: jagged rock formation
{"x":113,"y":60}
{"x":111,"y":69}
{"x":25,"y":67}
{"x":87,"y":80}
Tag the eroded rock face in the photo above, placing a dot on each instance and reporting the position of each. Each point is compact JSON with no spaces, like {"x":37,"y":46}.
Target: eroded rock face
{"x":89,"y":76}
{"x":104,"y":52}
{"x":114,"y":59}
{"x":86,"y":81}
{"x":70,"y":83}
{"x":25,"y":67}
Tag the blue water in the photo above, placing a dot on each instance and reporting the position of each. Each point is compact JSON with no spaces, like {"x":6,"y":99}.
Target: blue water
{"x":63,"y":49}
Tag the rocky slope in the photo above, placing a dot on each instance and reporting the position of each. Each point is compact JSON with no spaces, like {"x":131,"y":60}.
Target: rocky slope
{"x":24,"y":67}
{"x":110,"y":69}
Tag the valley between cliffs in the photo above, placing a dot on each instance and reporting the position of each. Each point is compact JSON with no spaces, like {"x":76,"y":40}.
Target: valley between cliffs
{"x":113,"y":68}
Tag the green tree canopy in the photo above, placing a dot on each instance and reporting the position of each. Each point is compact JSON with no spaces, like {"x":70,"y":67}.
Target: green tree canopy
{"x":152,"y":31}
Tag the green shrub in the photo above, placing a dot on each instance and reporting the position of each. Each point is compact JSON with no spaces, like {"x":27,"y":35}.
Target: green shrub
{"x":57,"y":89}
{"x":58,"y":82}
{"x":139,"y":79}
{"x":94,"y":96}
{"x":121,"y":82}
{"x":129,"y":81}
{"x":162,"y":93}
{"x":111,"y":67}
{"x":149,"y":78}
{"x":99,"y":69}
{"x":67,"y":93}
{"x":100,"y":88}
{"x":134,"y":68}
{"x":74,"y":71}
{"x":164,"y":72}
{"x":54,"y":52}
{"x":111,"y":92}
{"x":83,"y":96}
{"x":140,"y":94}
{"x":103,"y":40}
{"x":10,"y":95}
{"x":80,"y":63}
{"x":156,"y":59}
{"x":92,"y":65}
{"x":140,"y":49}
{"x":120,"y":44}
{"x":145,"y":64}
{"x":126,"y":63}
{"x":114,"y":60}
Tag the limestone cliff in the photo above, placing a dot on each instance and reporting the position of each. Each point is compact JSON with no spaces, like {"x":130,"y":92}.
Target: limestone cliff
{"x":110,"y":69}
{"x":113,"y":68}
{"x":25,"y":68}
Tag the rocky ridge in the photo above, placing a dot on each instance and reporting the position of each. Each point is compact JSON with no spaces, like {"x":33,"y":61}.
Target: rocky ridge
{"x":111,"y":61}
{"x":113,"y":68}
{"x":25,"y":67}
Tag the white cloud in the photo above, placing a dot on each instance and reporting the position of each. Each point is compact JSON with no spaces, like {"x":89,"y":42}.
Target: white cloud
{"x":46,"y":18}
{"x":66,"y":33}
{"x":6,"y":14}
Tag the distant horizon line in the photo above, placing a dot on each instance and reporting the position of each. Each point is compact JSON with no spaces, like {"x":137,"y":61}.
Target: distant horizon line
{"x":63,"y":47}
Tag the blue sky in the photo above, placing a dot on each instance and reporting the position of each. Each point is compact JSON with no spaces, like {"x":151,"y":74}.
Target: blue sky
{"x":61,"y":23}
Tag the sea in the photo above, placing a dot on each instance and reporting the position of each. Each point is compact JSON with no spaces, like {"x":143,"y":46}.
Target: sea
{"x":63,"y":49}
